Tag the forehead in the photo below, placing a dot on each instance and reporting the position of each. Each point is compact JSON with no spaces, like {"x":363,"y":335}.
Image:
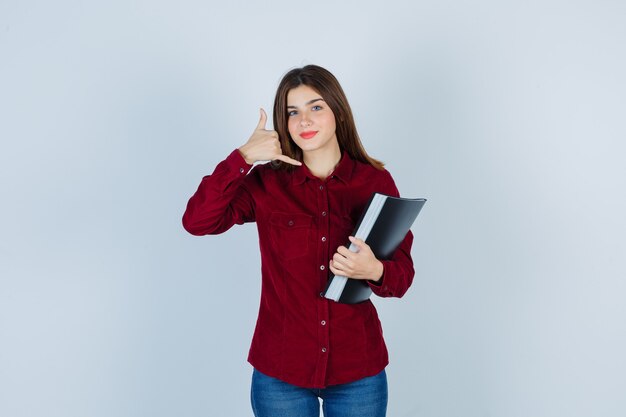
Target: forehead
{"x":301,"y":95}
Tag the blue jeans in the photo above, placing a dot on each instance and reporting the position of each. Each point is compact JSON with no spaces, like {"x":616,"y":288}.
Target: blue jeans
{"x":272,"y":397}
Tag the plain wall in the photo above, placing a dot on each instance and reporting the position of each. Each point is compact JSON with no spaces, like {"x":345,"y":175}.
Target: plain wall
{"x":508,"y":116}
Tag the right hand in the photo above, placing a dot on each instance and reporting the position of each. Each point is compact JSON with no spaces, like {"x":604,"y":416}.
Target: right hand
{"x":264,"y":145}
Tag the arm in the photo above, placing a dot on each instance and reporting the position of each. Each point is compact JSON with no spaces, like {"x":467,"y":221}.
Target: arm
{"x":387,"y":278}
{"x":398,"y":272}
{"x":222,"y":199}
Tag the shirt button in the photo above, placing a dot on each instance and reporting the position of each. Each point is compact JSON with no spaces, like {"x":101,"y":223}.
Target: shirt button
{"x":321,"y":187}
{"x":322,"y":267}
{"x":290,"y":223}
{"x":322,"y":294}
{"x":323,"y":238}
{"x":323,"y":350}
{"x":323,"y":322}
{"x":324,"y":213}
{"x":241,"y":170}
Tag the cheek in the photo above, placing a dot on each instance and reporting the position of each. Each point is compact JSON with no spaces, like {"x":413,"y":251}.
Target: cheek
{"x":329,"y":122}
{"x":291,"y":126}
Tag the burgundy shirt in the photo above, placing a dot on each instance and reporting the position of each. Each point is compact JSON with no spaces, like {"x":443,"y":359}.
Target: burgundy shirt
{"x":301,"y":337}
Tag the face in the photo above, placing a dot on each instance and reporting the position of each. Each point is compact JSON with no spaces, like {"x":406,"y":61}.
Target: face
{"x":310,"y":120}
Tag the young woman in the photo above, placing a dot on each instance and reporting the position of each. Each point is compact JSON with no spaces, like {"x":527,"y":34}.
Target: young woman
{"x":305,"y":204}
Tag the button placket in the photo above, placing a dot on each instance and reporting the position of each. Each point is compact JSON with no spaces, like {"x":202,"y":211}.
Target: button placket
{"x":323,"y":304}
{"x":324,"y":222}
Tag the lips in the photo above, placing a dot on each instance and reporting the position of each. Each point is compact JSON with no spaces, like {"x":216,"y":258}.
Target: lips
{"x":308,"y":135}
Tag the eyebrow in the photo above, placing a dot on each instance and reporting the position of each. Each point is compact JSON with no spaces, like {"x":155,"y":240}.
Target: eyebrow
{"x":307,"y":103}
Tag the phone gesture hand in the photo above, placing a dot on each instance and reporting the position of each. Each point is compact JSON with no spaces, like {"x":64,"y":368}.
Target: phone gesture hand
{"x":264,"y":145}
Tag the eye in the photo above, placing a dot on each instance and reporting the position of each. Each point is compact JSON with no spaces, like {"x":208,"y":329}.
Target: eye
{"x":316,"y":108}
{"x":292,"y":113}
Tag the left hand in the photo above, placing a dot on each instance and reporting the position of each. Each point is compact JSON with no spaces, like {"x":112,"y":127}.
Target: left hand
{"x":358,"y":265}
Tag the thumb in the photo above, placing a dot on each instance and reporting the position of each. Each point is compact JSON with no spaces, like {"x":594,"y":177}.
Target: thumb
{"x":262,"y":120}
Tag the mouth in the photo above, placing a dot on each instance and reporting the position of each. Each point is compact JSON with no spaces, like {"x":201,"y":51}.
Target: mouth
{"x":308,"y":135}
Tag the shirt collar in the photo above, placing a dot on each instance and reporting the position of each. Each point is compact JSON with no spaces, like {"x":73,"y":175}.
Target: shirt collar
{"x":343,"y":171}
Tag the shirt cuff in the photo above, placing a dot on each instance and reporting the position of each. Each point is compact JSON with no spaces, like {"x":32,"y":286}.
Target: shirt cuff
{"x":236,"y":163}
{"x":382,"y":287}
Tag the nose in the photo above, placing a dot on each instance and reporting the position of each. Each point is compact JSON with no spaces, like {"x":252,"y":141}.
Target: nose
{"x":305,"y":121}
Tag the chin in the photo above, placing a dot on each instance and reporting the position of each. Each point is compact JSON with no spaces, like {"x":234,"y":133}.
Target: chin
{"x":305,"y":145}
{"x":309,"y":147}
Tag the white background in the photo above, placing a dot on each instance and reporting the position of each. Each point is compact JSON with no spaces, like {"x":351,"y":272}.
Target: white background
{"x":508,"y":116}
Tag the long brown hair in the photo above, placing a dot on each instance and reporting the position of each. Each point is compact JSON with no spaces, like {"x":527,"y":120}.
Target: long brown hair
{"x":325,"y":83}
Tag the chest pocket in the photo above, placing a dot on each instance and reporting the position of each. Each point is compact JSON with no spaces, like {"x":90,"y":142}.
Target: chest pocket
{"x":290,"y":234}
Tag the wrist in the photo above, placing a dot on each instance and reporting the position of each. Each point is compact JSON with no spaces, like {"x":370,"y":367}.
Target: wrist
{"x":243,"y":152}
{"x":379,"y":271}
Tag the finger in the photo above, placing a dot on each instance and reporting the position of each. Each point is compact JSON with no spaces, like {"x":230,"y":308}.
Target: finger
{"x":288,"y":160}
{"x":339,"y":268}
{"x":342,"y":262}
{"x":337,"y":258}
{"x":359,"y":243}
{"x":335,"y":270}
{"x":345,"y":252}
{"x":262,"y":120}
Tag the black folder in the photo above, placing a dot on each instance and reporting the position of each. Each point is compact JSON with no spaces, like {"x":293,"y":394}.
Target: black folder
{"x":383,"y":226}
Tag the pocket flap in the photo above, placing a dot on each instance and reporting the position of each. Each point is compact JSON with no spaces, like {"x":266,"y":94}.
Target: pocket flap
{"x":291,"y":220}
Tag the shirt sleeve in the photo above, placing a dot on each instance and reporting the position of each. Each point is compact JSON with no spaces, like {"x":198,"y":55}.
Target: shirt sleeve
{"x":222,"y":199}
{"x":398,"y":272}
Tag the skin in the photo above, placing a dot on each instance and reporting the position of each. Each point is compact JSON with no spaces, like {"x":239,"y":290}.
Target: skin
{"x":263,"y":145}
{"x":308,"y":112}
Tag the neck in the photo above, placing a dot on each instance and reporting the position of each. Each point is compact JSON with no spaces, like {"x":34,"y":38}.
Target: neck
{"x":322,"y":162}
